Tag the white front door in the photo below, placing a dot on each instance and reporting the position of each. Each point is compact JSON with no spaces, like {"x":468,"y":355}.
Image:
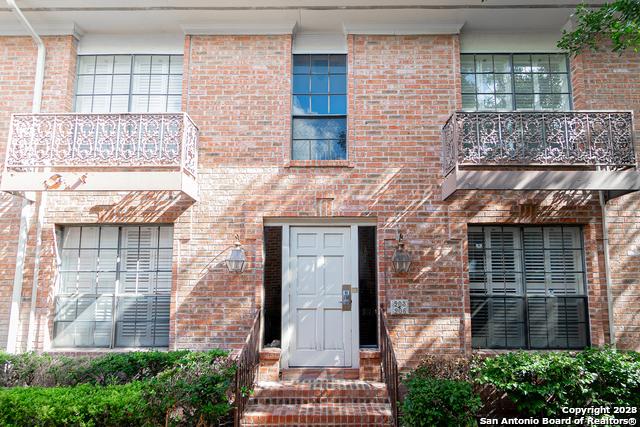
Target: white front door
{"x":321,"y":266}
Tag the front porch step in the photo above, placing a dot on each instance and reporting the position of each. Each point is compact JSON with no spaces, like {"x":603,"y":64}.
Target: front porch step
{"x":319,"y":414}
{"x":327,"y":391}
{"x":308,"y":374}
{"x":329,"y":402}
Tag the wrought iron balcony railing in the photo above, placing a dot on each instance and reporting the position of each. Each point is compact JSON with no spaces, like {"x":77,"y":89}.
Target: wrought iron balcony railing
{"x":166,"y":140}
{"x":102,"y":152}
{"x":575,"y":138}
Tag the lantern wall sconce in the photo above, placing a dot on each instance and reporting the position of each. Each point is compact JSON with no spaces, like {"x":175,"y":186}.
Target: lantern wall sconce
{"x":401,"y":257}
{"x":237,"y":259}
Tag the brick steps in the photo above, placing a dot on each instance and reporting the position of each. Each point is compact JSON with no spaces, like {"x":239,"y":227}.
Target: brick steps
{"x":330,"y":391}
{"x":333,"y":402}
{"x":304,"y":374}
{"x":319,"y":414}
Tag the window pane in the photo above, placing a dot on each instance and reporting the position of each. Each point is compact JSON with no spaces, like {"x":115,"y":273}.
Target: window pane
{"x":101,"y":104}
{"x":301,"y":64}
{"x":540,"y":63}
{"x":83,"y":104}
{"x":503,"y":83}
{"x":502,"y":63}
{"x":558,"y":63}
{"x":320,"y":84}
{"x":175,"y":84}
{"x":141,"y":84}
{"x":86,"y":64}
{"x":523,"y":83}
{"x":104,"y":64}
{"x":312,"y":128}
{"x":522,"y":63}
{"x":524,"y":102}
{"x":486,"y":102}
{"x":139,"y":104}
{"x":485,"y":83}
{"x":142,"y":64}
{"x":160,"y":64}
{"x":466,"y":64}
{"x":122,"y":64}
{"x":319,"y":104}
{"x":504,"y":102}
{"x":338,"y":84}
{"x":559,"y":83}
{"x":301,"y":150}
{"x":484,"y":63}
{"x":85,"y":85}
{"x":176,"y":64}
{"x":159,"y":84}
{"x":468,"y":83}
{"x":338,"y":104}
{"x":468,"y":102}
{"x":102,"y":85}
{"x":301,"y":104}
{"x":338,"y":64}
{"x":121,"y":84}
{"x":120,"y":104}
{"x":319,"y":64}
{"x":301,"y":84}
{"x":174,"y":104}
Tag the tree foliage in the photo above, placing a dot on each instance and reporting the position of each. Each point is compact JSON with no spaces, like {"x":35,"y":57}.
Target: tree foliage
{"x":617,"y":23}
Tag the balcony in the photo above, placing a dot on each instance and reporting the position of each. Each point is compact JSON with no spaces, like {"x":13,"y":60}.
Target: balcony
{"x":102,"y":152}
{"x":576,"y":150}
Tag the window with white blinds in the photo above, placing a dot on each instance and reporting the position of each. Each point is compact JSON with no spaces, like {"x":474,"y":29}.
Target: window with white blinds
{"x":528,"y":287}
{"x":115,"y":286}
{"x":129,"y":83}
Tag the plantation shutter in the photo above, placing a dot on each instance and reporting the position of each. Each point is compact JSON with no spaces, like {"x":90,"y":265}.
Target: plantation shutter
{"x":527,"y":287}
{"x":109,"y":269}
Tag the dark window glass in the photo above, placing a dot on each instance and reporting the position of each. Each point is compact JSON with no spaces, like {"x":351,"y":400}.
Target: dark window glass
{"x":528,"y":287}
{"x":507,"y":82}
{"x":367,"y":286}
{"x":319,"y":105}
{"x":272,"y":285}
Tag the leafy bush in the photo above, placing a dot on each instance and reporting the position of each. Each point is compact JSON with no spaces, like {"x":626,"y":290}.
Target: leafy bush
{"x":121,"y":368}
{"x":47,"y":370}
{"x":195,"y":392}
{"x":543,"y":383}
{"x":133,"y":389}
{"x":439,"y":402}
{"x":446,"y":367}
{"x":82,"y":405}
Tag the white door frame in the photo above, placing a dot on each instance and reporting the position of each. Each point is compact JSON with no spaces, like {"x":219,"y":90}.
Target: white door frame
{"x":287,"y":277}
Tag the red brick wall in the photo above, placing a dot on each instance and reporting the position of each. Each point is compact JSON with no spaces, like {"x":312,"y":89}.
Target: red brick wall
{"x":608,"y":81}
{"x":402,"y":89}
{"x":17,"y":73}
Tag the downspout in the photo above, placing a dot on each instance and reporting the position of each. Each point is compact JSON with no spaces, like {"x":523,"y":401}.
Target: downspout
{"x":605,"y":242}
{"x":26,"y":210}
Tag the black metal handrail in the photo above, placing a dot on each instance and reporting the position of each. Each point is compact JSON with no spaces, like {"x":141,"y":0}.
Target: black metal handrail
{"x":389,"y":366}
{"x":247,"y":367}
{"x":539,"y":138}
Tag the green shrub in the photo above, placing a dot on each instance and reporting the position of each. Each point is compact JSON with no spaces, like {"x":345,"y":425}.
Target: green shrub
{"x":195,"y":392}
{"x":82,"y":405}
{"x":543,"y":383}
{"x":439,"y":402}
{"x":617,"y":376}
{"x":121,"y":368}
{"x":48,"y":370}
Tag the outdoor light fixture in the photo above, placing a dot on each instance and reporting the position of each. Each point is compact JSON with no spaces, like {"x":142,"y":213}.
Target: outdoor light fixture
{"x":237,"y":259}
{"x":401,"y":258}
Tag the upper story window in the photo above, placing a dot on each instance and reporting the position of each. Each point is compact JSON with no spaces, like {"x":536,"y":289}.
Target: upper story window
{"x":528,"y":287}
{"x":319,"y":107}
{"x":506,"y":82}
{"x":115,"y":287}
{"x":129,"y":83}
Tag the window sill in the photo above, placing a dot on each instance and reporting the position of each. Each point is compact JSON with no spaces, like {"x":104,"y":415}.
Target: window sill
{"x":319,"y":164}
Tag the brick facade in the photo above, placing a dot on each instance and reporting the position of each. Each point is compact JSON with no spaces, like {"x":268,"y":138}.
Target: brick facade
{"x":401,"y":91}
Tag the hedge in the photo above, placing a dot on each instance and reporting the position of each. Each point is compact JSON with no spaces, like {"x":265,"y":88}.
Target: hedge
{"x":536,"y":383}
{"x":180,"y":388}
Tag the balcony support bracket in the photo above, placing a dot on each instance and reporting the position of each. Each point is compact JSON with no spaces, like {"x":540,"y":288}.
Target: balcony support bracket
{"x":615,"y":183}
